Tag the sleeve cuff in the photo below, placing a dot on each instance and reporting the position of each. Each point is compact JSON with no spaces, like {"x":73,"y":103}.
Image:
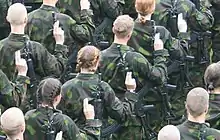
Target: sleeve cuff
{"x":163,"y":52}
{"x":94,"y":123}
{"x":183,"y":36}
{"x":61,"y":48}
{"x":23,"y":79}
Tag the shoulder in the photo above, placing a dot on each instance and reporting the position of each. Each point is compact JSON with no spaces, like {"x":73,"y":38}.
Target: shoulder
{"x":30,"y":113}
{"x":66,"y":19}
{"x":69,"y":83}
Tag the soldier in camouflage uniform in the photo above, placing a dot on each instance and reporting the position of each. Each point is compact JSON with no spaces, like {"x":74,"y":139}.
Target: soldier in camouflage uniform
{"x":40,"y":24}
{"x":120,"y":58}
{"x":212,"y":81}
{"x":199,"y":20}
{"x":44,"y":64}
{"x":12,"y":94}
{"x":4,"y":4}
{"x":142,"y":40}
{"x":197,"y":104}
{"x":105,"y":12}
{"x":46,"y":121}
{"x":87,"y":84}
{"x":215,"y":29}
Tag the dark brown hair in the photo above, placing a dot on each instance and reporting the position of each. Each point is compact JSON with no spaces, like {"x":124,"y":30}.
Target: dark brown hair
{"x":47,"y":90}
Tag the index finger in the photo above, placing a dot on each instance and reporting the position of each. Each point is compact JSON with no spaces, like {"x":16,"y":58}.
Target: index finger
{"x":17,"y":56}
{"x":180,"y":16}
{"x":85,"y":102}
{"x":157,"y":36}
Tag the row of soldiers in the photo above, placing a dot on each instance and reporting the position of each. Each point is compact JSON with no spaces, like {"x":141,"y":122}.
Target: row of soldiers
{"x":154,"y":55}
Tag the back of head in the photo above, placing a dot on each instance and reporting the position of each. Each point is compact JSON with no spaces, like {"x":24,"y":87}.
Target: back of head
{"x":197,"y":102}
{"x":144,"y":8}
{"x":212,"y":76}
{"x":13,"y":122}
{"x":123,"y":26}
{"x":17,"y":14}
{"x":88,"y":58}
{"x":169,"y":132}
{"x":48,"y":89}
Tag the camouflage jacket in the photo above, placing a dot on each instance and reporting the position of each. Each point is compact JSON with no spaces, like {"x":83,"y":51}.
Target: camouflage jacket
{"x":40,"y":24}
{"x":37,"y":121}
{"x":197,"y":131}
{"x":144,"y":72}
{"x":213,"y":116}
{"x":197,"y":20}
{"x":4,"y":4}
{"x":44,"y":63}
{"x":142,"y":40}
{"x":11,"y":93}
{"x":88,"y":86}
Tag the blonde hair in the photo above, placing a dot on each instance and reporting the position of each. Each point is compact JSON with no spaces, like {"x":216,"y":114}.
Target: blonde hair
{"x":144,"y":8}
{"x":123,"y":26}
{"x":87,"y":58}
{"x":17,"y":14}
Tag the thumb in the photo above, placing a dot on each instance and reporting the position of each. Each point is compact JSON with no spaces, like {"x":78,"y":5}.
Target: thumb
{"x":17,"y":56}
{"x":85,"y":102}
{"x":56,"y":24}
{"x":180,"y":17}
{"x":157,"y":36}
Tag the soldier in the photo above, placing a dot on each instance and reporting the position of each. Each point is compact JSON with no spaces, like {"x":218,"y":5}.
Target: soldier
{"x":197,"y":104}
{"x":169,"y":132}
{"x":40,"y":62}
{"x":4,"y":27}
{"x":120,"y":58}
{"x":12,"y":94}
{"x":199,"y":20}
{"x":40,"y":22}
{"x":105,"y":12}
{"x":215,"y":29}
{"x":87,"y":84}
{"x":142,"y":40}
{"x":13,"y":123}
{"x":46,"y":121}
{"x":212,"y":81}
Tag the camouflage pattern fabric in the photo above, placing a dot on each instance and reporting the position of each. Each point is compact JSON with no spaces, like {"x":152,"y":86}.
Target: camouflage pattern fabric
{"x":4,"y":27}
{"x":36,"y":121}
{"x":195,"y":131}
{"x":40,"y":24}
{"x":11,"y":94}
{"x":85,"y":86}
{"x":213,"y":116}
{"x":143,"y":71}
{"x":44,"y":63}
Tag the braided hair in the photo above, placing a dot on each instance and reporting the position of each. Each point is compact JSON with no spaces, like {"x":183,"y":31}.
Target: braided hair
{"x":212,"y":76}
{"x":87,"y":58}
{"x":47,"y":91}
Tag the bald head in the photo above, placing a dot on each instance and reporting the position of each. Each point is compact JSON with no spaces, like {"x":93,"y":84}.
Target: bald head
{"x":12,"y":121}
{"x":17,"y":14}
{"x":169,"y":132}
{"x":197,"y":101}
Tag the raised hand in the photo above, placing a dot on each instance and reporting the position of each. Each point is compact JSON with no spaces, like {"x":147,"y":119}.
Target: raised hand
{"x":130,"y":82}
{"x":158,"y":43}
{"x":58,"y":33}
{"x":88,"y":109}
{"x":181,"y":23}
{"x":21,"y":64}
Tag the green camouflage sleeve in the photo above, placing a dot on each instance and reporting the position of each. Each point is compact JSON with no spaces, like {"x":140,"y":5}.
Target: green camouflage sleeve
{"x":12,"y":93}
{"x":112,"y":8}
{"x":200,"y":20}
{"x":83,"y":32}
{"x":48,"y":64}
{"x":143,"y":70}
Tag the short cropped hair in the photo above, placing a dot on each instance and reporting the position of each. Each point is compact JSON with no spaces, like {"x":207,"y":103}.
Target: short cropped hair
{"x":197,"y":101}
{"x":12,"y":120}
{"x":169,"y":132}
{"x":16,"y":14}
{"x":123,"y":26}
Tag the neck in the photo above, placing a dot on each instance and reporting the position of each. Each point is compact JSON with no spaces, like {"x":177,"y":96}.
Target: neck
{"x":147,"y":17}
{"x":120,"y":41}
{"x":49,"y":3}
{"x":86,"y":71}
{"x":199,"y":119}
{"x":46,"y":105}
{"x":17,"y":137}
{"x":216,"y":91}
{"x":17,"y":29}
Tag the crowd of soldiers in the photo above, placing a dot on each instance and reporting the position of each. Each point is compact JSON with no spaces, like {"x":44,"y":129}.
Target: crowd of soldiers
{"x":110,"y":69}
